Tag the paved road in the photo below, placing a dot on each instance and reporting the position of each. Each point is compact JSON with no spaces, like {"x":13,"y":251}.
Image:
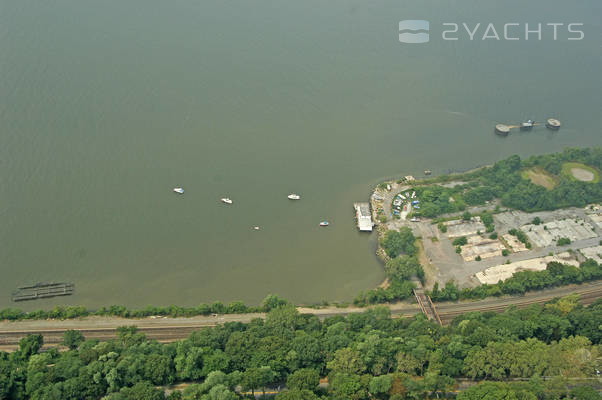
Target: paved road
{"x":170,"y":329}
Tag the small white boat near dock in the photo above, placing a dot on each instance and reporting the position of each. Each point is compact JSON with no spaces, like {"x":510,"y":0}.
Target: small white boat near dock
{"x":226,"y":200}
{"x":178,"y":190}
{"x":293,"y":196}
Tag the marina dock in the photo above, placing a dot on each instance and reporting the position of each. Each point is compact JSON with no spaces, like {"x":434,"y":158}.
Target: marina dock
{"x":363,"y":216}
{"x":504,"y":129}
{"x":43,"y":290}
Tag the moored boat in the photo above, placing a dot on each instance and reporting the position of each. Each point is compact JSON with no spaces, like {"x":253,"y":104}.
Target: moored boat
{"x":178,"y":190}
{"x":525,"y":126}
{"x":324,"y":223}
{"x":226,"y":200}
{"x":293,"y":196}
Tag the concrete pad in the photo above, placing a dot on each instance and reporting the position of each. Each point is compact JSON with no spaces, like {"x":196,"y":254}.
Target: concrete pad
{"x":515,"y":244}
{"x":485,"y":248}
{"x":548,"y":233}
{"x":594,"y":252}
{"x":597,"y":218}
{"x":502,"y":272}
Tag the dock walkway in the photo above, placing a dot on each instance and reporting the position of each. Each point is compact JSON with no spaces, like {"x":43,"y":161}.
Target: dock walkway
{"x":43,"y":290}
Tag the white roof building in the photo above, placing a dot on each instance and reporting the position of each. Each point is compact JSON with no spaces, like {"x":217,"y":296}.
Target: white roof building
{"x":364,"y":217}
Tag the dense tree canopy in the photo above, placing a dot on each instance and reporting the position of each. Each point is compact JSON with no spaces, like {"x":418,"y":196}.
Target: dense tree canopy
{"x":402,"y":265}
{"x":504,"y":181}
{"x":399,"y":242}
{"x":364,"y":356}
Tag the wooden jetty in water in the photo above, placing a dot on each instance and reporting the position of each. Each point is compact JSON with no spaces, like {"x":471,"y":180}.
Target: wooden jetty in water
{"x":43,"y":290}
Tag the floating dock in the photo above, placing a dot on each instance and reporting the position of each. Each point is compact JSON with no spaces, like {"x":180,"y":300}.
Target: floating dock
{"x":43,"y":290}
{"x":553,"y":124}
{"x":363,"y":216}
{"x":504,"y":129}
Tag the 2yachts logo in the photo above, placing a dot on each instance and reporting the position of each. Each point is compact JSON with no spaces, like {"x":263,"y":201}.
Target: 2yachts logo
{"x":418,"y":31}
{"x":414,"y":31}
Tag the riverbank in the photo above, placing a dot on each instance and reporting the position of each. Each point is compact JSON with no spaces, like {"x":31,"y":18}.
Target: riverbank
{"x":483,"y":206}
{"x":167,"y":329}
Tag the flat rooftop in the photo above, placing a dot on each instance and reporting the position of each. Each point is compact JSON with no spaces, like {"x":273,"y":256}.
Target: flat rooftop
{"x":364,"y":217}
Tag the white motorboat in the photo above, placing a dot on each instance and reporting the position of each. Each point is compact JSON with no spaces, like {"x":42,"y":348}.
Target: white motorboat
{"x":226,"y":200}
{"x":178,"y":190}
{"x":525,"y":126}
{"x":256,"y":228}
{"x":324,"y":223}
{"x":293,"y":196}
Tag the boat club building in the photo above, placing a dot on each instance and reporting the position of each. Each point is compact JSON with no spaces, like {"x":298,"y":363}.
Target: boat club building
{"x":363,"y":216}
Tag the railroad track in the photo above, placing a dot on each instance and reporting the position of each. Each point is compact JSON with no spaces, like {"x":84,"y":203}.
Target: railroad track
{"x":9,"y":338}
{"x":586,"y":296}
{"x":55,"y":336}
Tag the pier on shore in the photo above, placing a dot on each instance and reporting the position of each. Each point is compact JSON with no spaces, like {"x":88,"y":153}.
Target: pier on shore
{"x":363,"y":216}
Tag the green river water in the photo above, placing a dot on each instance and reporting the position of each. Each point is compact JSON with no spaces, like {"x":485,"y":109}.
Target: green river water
{"x":105,"y":106}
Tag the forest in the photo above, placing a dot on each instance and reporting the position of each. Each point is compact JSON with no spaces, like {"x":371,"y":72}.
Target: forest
{"x":401,"y":266}
{"x":505,"y":182}
{"x":541,"y":352}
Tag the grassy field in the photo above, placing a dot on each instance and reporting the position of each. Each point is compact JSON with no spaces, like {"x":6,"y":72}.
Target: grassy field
{"x":540,"y":177}
{"x":581,"y":172}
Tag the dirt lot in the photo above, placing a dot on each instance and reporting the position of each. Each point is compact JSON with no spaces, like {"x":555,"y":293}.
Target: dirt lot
{"x":583,"y":174}
{"x":539,"y":177}
{"x":457,"y":228}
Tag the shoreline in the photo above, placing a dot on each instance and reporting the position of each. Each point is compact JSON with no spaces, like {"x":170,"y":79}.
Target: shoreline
{"x":167,"y":329}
